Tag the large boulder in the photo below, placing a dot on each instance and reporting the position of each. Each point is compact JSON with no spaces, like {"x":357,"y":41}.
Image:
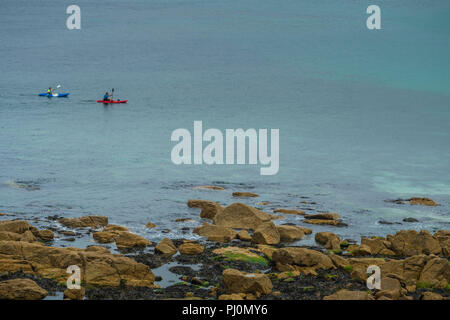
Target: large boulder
{"x":209,"y":208}
{"x":266,"y":233}
{"x":215,"y":233}
{"x":329,"y":240}
{"x":166,"y":246}
{"x":411,"y":242}
{"x":290,"y":233}
{"x":85,"y":222}
{"x":21,"y":289}
{"x":236,"y":281}
{"x":241,"y":216}
{"x":302,"y":259}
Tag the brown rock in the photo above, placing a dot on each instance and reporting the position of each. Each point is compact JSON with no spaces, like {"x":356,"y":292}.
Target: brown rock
{"x":12,"y":236}
{"x":15,"y":226}
{"x":166,"y":246}
{"x":443,"y":236}
{"x":130,"y":240}
{"x":46,"y":235}
{"x":209,"y":188}
{"x":114,"y":227}
{"x":323,"y":216}
{"x":376,"y":245}
{"x":215,"y":233}
{"x":21,"y":289}
{"x":423,"y":202}
{"x":85,"y":222}
{"x":27,"y":236}
{"x":329,"y":240}
{"x":74,"y":294}
{"x":233,"y":296}
{"x":290,"y":211}
{"x":209,"y":208}
{"x":191,"y":248}
{"x":244,"y":235}
{"x":245,"y":194}
{"x":150,"y":225}
{"x":241,"y":216}
{"x":266,"y":233}
{"x":306,"y":260}
{"x":290,"y":233}
{"x":267,"y":250}
{"x":349,"y":295}
{"x":104,"y":237}
{"x":436,"y":273}
{"x":320,"y":221}
{"x":361,"y":250}
{"x":431,"y":296}
{"x":236,"y":281}
{"x":410,"y":243}
{"x":339,"y":261}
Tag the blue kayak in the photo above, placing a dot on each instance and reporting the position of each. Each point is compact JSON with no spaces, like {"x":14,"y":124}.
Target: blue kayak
{"x":59,"y":95}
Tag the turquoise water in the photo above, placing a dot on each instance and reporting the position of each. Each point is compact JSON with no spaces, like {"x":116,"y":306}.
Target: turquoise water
{"x":364,"y":116}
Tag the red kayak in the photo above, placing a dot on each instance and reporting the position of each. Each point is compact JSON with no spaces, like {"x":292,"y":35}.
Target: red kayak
{"x":112,"y":101}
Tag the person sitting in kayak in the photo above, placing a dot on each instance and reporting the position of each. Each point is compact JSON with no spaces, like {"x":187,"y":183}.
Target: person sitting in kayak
{"x":106,"y":96}
{"x":50,"y":91}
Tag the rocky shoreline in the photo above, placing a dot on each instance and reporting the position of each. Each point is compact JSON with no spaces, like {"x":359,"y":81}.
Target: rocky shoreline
{"x":242,"y":255}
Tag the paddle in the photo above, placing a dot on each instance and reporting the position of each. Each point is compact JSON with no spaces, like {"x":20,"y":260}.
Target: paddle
{"x":112,"y":94}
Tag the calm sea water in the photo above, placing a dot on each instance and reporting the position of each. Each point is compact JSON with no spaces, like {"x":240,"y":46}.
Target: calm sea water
{"x":364,"y":116}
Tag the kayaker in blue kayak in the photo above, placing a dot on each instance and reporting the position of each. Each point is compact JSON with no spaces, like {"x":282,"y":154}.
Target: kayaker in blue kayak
{"x":50,"y":91}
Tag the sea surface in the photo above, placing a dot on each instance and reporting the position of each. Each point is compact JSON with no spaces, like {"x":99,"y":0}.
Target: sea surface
{"x":363,"y":116}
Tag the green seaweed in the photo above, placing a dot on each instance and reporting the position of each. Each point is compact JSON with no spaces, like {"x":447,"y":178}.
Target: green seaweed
{"x":231,"y":256}
{"x":348,"y":268}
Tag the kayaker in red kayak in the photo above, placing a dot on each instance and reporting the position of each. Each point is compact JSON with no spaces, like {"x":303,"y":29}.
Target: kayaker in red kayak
{"x":106,"y":96}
